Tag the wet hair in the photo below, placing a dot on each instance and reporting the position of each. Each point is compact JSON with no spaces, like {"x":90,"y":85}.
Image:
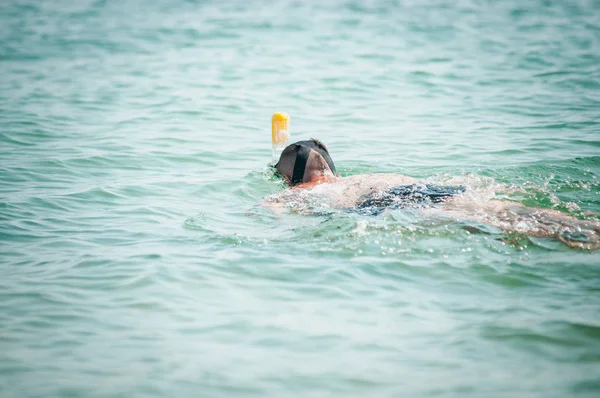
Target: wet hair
{"x":302,"y":158}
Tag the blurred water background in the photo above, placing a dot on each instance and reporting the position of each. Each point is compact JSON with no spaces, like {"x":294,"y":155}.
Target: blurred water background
{"x":134,"y":143}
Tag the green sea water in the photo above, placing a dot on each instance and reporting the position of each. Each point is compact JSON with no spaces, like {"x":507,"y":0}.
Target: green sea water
{"x":134,"y":150}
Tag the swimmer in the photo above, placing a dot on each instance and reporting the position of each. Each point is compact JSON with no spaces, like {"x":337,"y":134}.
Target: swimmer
{"x":309,"y":170}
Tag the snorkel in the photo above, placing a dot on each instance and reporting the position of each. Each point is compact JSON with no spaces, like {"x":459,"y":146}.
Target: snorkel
{"x":280,"y":133}
{"x":301,"y":162}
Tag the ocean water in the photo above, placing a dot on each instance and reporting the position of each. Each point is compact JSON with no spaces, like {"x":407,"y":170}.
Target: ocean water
{"x":136,"y":260}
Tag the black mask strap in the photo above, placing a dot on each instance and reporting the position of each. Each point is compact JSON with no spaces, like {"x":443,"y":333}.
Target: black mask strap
{"x":300,"y":164}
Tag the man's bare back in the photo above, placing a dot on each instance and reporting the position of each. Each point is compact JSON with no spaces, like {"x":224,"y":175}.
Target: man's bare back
{"x":345,"y":193}
{"x":317,"y":188}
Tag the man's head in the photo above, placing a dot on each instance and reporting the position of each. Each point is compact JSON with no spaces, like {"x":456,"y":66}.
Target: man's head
{"x":304,"y":161}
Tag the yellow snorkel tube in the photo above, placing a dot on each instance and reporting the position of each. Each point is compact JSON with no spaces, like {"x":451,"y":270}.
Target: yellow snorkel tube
{"x":280,"y":133}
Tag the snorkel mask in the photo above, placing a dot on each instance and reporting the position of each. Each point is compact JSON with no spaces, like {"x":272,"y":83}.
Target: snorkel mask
{"x":301,"y":150}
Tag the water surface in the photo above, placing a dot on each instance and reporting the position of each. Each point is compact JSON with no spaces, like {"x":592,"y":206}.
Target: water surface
{"x":134,"y":149}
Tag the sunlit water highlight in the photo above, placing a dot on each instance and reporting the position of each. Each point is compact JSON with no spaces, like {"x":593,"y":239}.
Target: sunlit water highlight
{"x":134,"y":148}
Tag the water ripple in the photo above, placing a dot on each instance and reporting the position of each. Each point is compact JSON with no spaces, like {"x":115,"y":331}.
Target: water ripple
{"x":138,"y":259}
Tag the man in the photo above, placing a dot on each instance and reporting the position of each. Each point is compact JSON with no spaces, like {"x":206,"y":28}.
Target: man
{"x":311,"y":173}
